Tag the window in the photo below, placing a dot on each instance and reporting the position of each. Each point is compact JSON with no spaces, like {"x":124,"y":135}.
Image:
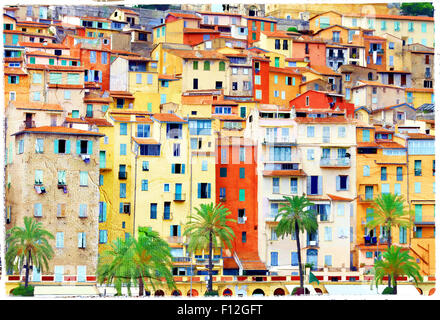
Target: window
{"x":61,"y":146}
{"x":13,"y":79}
{"x":153,"y":210}
{"x":417,"y":167}
{"x":176,"y":149}
{"x":59,"y":240}
{"x":418,"y":211}
{"x":417,"y":187}
{"x":327,"y":233}
{"x":123,"y":149}
{"x":81,"y":240}
{"x":83,"y":178}
{"x":178,"y":168}
{"x":243,"y":237}
{"x":341,"y":132}
{"x":223,"y":172}
{"x":204,"y":190}
{"x":204,"y":165}
{"x":221,"y":66}
{"x":275,"y":185}
{"x":294,"y":185}
{"x":83,"y":210}
{"x":36,"y":96}
{"x":385,"y":188}
{"x":122,"y":190}
{"x":310,"y":154}
{"x":144,"y":185}
{"x":341,"y":183}
{"x":310,"y":131}
{"x":123,"y":129}
{"x":241,"y":194}
{"x":145,"y":165}
{"x":314,"y":185}
{"x":242,"y":173}
{"x":274,"y":259}
{"x":143,"y":130}
{"x":399,"y":173}
{"x":206,"y":65}
{"x":383,"y":173}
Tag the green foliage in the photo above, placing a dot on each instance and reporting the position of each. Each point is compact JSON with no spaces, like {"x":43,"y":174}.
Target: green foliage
{"x":207,"y":229}
{"x":417,"y":9}
{"x":297,"y":291}
{"x":294,"y":29}
{"x":23,"y":291}
{"x":396,"y":262}
{"x":388,"y":290}
{"x":147,"y":260}
{"x":212,"y":293}
{"x":28,"y":245}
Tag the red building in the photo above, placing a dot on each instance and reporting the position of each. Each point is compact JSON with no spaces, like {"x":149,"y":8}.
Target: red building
{"x":309,"y":50}
{"x":236,"y":189}
{"x":256,"y":25}
{"x":313,"y":100}
{"x":376,"y":52}
{"x":193,"y":37}
{"x":94,"y":57}
{"x":260,"y":83}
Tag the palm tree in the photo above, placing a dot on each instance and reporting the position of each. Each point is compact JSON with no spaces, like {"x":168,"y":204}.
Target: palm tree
{"x":114,"y":265}
{"x":130,"y":261}
{"x":389,"y":211}
{"x":295,"y":217}
{"x":396,"y":262}
{"x":208,"y":228}
{"x":28,"y":244}
{"x":152,"y":259}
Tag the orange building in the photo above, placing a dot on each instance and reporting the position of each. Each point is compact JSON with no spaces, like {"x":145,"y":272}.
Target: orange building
{"x":283,"y":85}
{"x":236,"y":189}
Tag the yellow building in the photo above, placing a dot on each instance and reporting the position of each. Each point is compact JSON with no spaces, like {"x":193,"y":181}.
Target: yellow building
{"x":419,"y":96}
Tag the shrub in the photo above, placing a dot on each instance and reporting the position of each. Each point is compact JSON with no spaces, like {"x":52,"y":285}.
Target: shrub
{"x":212,"y":293}
{"x":388,"y":290}
{"x":294,"y":29}
{"x":297,"y":291}
{"x":23,"y":291}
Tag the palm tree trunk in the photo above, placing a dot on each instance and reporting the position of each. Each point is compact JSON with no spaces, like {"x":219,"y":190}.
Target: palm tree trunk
{"x":210,"y":264}
{"x":141,"y":287}
{"x":26,"y":278}
{"x":298,"y":248}
{"x":389,"y":245}
{"x":394,"y":286}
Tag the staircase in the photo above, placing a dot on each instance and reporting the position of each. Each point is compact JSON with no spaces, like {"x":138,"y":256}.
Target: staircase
{"x":421,"y":252}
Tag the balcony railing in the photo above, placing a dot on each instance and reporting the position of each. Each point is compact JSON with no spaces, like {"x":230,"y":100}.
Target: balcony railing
{"x":338,"y":162}
{"x":27,"y":124}
{"x":222,"y":198}
{"x":122,"y":175}
{"x":241,"y":220}
{"x":379,"y":51}
{"x":179,"y":196}
{"x":279,"y":140}
{"x":367,"y":197}
{"x":175,"y":239}
{"x":426,"y":220}
{"x":181,"y":259}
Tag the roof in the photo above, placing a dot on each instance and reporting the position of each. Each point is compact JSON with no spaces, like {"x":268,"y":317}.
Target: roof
{"x":391,"y":145}
{"x":167,"y":117}
{"x":377,"y":84}
{"x":42,"y":45}
{"x":59,"y":130}
{"x":276,"y":34}
{"x":96,"y":98}
{"x":184,"y":15}
{"x":420,"y":89}
{"x":229,"y":263}
{"x":392,"y":107}
{"x":338,"y":198}
{"x":198,"y":54}
{"x":75,"y":120}
{"x":394,"y":17}
{"x":38,"y":106}
{"x":121,"y":94}
{"x":194,"y":30}
{"x":299,"y":172}
{"x":168,"y":77}
{"x":337,"y":119}
{"x":57,"y":68}
{"x":367,"y":145}
{"x":128,"y":11}
{"x":324,"y":70}
{"x":16,"y":71}
{"x":251,"y":261}
{"x":284,"y":70}
{"x":420,"y":136}
{"x":145,"y":140}
{"x":100,"y":122}
{"x":228,"y":117}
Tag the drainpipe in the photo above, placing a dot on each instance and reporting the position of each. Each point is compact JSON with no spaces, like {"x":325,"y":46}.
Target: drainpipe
{"x":407,"y":185}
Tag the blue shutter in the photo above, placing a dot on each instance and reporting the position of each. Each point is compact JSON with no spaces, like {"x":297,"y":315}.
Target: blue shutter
{"x":104,"y":211}
{"x":171,"y":231}
{"x":319,"y":185}
{"x":90,"y":147}
{"x":309,"y":185}
{"x":183,"y":168}
{"x":338,"y":183}
{"x":173,"y":170}
{"x":78,"y":147}
{"x":56,"y":146}
{"x":178,"y":231}
{"x":209,"y":190}
{"x":67,"y":146}
{"x":199,"y":190}
{"x":121,"y":207}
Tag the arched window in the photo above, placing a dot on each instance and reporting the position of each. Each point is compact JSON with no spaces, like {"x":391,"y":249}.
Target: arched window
{"x":221,"y":66}
{"x":258,"y":292}
{"x":279,"y":292}
{"x":227,"y":293}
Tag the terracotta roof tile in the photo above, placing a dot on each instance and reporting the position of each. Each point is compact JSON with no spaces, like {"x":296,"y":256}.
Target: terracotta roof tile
{"x":99,"y":122}
{"x":38,"y":106}
{"x":299,"y":172}
{"x":276,"y":34}
{"x":121,"y":94}
{"x":41,"y":45}
{"x":324,"y":70}
{"x":16,"y":71}
{"x":201,"y":30}
{"x":129,"y":111}
{"x":229,"y":263}
{"x":197,"y":54}
{"x":390,"y":145}
{"x":337,"y":119}
{"x":367,"y":145}
{"x":377,"y":84}
{"x":59,"y":130}
{"x":420,"y":136}
{"x":184,"y":15}
{"x":56,"y":68}
{"x":167,"y":117}
{"x":65,"y":86}
{"x":167,"y":77}
{"x":75,"y":120}
{"x":284,"y":70}
{"x":338,"y":198}
{"x":144,"y":140}
{"x":251,"y":261}
{"x":420,"y":89}
{"x":228,"y":117}
{"x":97,"y":98}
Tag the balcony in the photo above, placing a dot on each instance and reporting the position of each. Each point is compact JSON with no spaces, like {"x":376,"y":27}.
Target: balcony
{"x":335,"y":163}
{"x":179,"y":196}
{"x":175,"y":239}
{"x":222,"y":198}
{"x":312,"y":243}
{"x":425,"y":221}
{"x":122,"y":175}
{"x":367,"y":197}
{"x":241,"y":220}
{"x":181,"y":259}
{"x":370,"y":241}
{"x":378,"y":51}
{"x":27,"y":124}
{"x":281,"y":141}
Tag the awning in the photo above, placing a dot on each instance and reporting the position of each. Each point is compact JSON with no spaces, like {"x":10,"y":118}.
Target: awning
{"x":86,"y":290}
{"x":366,"y":289}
